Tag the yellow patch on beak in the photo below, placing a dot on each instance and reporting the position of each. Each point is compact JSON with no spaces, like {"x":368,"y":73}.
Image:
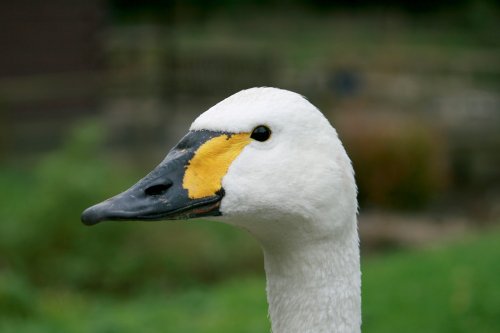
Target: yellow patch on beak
{"x":204,"y":173}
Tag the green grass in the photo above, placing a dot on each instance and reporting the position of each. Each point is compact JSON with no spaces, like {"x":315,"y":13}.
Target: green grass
{"x":236,"y":306}
{"x":451,"y":288}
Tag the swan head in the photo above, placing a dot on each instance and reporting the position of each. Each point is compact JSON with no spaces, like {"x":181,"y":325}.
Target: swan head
{"x":264,"y":159}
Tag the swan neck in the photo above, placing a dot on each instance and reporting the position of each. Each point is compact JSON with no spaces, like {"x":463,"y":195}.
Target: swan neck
{"x":315,"y":287}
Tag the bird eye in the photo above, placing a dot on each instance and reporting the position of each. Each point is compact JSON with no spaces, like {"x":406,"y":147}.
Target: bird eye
{"x":261,"y":133}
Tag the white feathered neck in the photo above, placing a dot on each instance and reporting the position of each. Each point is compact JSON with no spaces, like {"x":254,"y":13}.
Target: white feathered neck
{"x":296,"y":194}
{"x":315,"y":286}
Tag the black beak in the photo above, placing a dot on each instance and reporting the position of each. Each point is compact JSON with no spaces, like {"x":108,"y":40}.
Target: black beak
{"x":160,"y":195}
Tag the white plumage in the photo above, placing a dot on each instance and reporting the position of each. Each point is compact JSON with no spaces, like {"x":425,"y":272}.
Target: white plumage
{"x":296,"y":194}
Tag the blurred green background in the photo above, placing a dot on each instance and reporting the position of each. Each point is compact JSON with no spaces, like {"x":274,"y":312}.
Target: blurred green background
{"x":94,"y":93}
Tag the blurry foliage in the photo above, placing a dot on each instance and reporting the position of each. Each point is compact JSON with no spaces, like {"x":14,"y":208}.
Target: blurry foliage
{"x":449,"y":288}
{"x":16,"y":296}
{"x":43,"y":240}
{"x":4,"y":129}
{"x":400,"y":163}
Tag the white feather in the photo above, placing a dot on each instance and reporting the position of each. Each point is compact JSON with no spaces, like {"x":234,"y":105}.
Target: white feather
{"x":296,"y":194}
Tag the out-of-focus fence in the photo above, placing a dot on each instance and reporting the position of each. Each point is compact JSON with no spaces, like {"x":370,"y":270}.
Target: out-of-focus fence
{"x":50,"y":71}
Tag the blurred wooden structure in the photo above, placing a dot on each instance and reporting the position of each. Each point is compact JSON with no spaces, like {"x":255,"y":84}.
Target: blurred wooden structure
{"x":49,"y":69}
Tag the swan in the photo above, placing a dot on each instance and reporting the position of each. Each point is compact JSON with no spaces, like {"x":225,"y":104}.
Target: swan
{"x":266,"y":160}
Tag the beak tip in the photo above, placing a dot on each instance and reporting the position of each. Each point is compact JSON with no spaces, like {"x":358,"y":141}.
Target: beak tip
{"x":91,"y":216}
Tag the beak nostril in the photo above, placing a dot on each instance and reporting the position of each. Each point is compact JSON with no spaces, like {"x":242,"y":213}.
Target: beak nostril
{"x":157,"y":189}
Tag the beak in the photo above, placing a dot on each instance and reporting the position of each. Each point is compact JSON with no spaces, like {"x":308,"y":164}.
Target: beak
{"x":161,"y":194}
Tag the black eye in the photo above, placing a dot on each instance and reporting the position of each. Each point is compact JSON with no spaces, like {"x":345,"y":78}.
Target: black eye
{"x":261,"y":133}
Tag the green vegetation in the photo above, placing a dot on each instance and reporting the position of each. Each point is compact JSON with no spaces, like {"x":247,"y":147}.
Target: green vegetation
{"x":237,"y":306}
{"x":450,"y":288}
{"x":453,"y":288}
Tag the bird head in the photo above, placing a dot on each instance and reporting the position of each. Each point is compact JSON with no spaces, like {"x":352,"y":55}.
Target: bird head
{"x":263,"y":159}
